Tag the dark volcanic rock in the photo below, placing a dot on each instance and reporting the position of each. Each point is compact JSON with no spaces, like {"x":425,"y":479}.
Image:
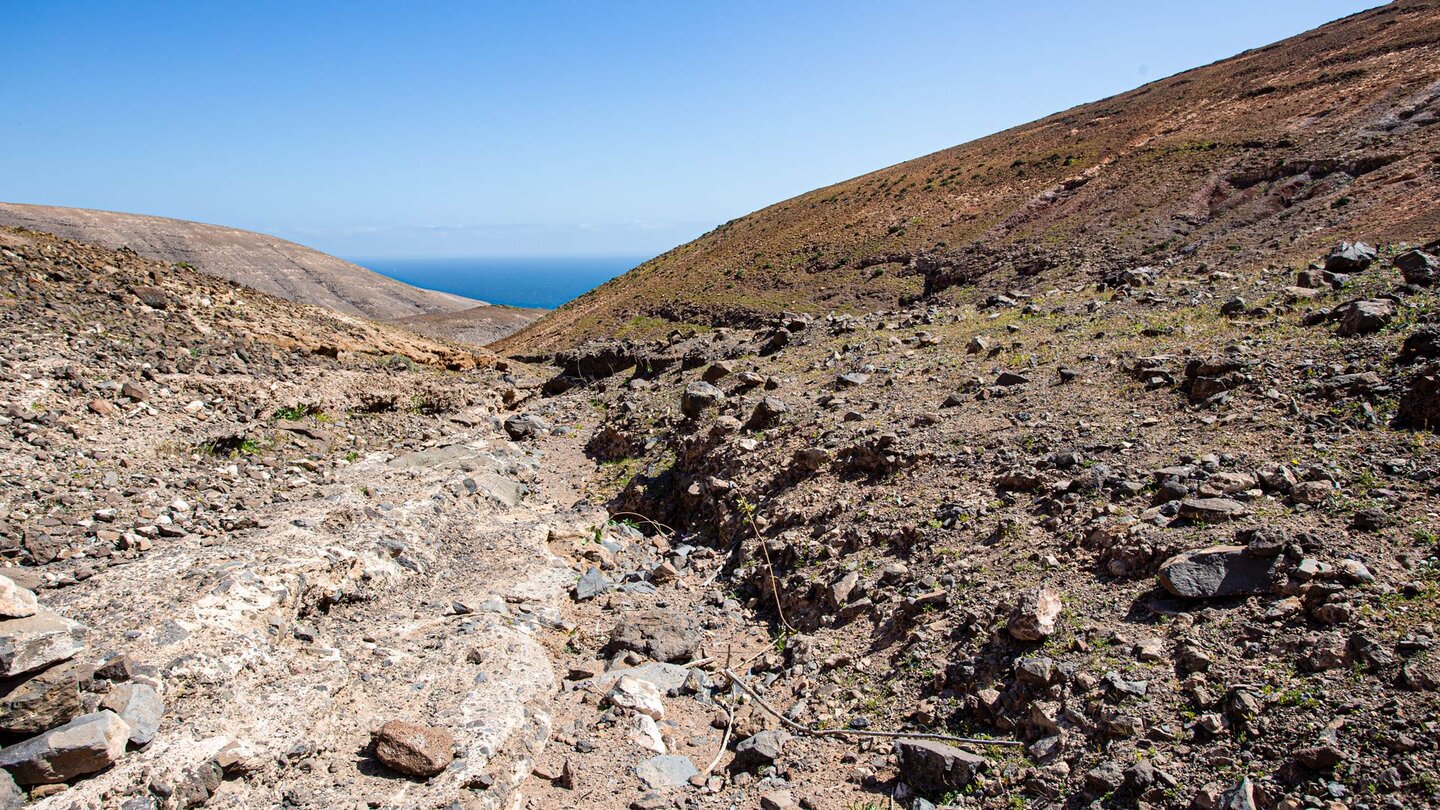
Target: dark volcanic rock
{"x":1419,"y":405}
{"x":1418,"y":267}
{"x":658,"y":634}
{"x":31,"y":704}
{"x":761,"y":749}
{"x":1217,"y":571}
{"x":935,"y":766}
{"x":525,"y":426}
{"x":1350,"y":257}
{"x":698,"y":396}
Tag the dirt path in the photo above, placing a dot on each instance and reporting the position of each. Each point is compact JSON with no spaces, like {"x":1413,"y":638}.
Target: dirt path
{"x":417,"y":587}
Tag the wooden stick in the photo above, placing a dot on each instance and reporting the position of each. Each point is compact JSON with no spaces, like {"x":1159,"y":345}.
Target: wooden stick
{"x":850,"y":732}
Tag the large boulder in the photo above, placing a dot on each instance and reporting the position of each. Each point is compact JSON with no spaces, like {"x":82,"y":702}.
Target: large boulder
{"x":37,"y":641}
{"x":1350,"y":257}
{"x":1218,"y":571}
{"x":1418,"y":267}
{"x":698,"y":396}
{"x":1364,"y":317}
{"x":522,"y":426}
{"x":658,"y":634}
{"x":936,"y":767}
{"x":87,"y":744}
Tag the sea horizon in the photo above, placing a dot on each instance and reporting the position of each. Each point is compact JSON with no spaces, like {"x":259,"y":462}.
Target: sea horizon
{"x":536,"y":282}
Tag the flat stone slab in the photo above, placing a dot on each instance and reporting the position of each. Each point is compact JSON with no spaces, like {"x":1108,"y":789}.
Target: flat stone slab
{"x":1212,"y":510}
{"x":667,"y":677}
{"x":37,"y":641}
{"x":666,"y":771}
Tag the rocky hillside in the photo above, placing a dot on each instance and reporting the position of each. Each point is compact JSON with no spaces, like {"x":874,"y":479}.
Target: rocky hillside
{"x":1164,"y":542}
{"x":1263,"y":159}
{"x":265,"y":263}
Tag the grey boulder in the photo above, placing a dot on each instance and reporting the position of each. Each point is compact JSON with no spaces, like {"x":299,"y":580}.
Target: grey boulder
{"x":760,"y":749}
{"x":87,"y":744}
{"x":1350,"y":257}
{"x":1218,"y":571}
{"x":698,"y":396}
{"x":139,"y":705}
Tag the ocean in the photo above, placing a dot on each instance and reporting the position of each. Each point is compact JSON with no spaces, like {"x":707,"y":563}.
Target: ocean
{"x":544,"y":282}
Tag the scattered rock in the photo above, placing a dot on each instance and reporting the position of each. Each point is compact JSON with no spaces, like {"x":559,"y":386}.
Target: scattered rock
{"x":1350,"y":257}
{"x":759,"y":750}
{"x":1364,"y":317}
{"x":1212,"y":510}
{"x":139,"y":705}
{"x":666,"y":771}
{"x":592,"y":584}
{"x":412,"y":749}
{"x":523,"y":426}
{"x":1418,"y":267}
{"x":16,"y":602}
{"x":1033,"y":617}
{"x":698,"y":396}
{"x":637,"y":695}
{"x":656,"y":634}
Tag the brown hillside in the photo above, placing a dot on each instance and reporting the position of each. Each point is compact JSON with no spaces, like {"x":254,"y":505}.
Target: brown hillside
{"x":1266,"y":157}
{"x":257,"y":260}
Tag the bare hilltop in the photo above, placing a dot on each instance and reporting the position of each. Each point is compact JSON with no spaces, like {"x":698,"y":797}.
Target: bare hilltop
{"x":272,"y":265}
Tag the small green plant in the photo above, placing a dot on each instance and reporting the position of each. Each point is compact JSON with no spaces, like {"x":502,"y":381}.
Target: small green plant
{"x":294,"y":413}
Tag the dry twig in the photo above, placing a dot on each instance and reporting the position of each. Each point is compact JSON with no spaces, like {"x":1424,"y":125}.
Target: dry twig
{"x":851,"y":732}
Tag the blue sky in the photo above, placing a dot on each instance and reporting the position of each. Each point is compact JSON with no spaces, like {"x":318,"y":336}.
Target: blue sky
{"x":374,"y":129}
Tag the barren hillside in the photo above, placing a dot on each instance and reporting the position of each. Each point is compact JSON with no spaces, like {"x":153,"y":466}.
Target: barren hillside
{"x":1264,"y":158}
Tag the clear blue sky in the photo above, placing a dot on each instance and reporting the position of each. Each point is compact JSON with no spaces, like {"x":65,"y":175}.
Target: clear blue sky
{"x":536,"y":128}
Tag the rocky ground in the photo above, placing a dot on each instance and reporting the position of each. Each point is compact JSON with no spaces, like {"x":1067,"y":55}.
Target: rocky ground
{"x":1173,"y":533}
{"x":1164,"y":540}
